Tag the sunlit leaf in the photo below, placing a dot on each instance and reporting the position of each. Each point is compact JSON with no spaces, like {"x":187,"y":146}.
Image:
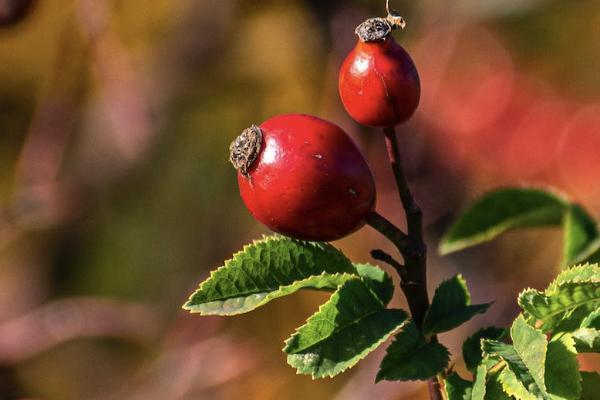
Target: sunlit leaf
{"x":457,"y":388}
{"x":471,"y":349}
{"x":525,"y":359}
{"x":266,"y":269}
{"x":344,"y":330}
{"x":562,"y":370}
{"x":501,"y":210}
{"x":450,"y":307}
{"x":567,"y":296}
{"x":411,"y":357}
{"x":580,"y":230}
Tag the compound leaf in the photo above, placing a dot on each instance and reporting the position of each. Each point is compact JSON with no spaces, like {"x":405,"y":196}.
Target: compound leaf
{"x":502,"y":210}
{"x":411,"y":357}
{"x":450,"y":307}
{"x":266,"y":269}
{"x":344,"y":330}
{"x":471,"y":348}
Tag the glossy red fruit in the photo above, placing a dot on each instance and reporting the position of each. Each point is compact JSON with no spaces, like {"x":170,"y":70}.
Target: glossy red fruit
{"x":303,"y":177}
{"x":378,"y":81}
{"x":13,"y":11}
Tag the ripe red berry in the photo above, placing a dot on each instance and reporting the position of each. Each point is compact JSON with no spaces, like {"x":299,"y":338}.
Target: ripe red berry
{"x":13,"y":11}
{"x":303,"y":177}
{"x":378,"y":81}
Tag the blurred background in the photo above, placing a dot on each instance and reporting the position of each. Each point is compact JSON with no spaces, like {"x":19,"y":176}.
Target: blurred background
{"x":116,"y":196}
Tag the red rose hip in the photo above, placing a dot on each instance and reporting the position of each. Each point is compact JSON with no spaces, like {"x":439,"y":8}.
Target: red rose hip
{"x":303,"y":177}
{"x":378,"y":81}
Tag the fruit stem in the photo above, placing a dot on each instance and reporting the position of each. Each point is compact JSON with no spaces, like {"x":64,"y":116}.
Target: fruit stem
{"x":413,"y":278}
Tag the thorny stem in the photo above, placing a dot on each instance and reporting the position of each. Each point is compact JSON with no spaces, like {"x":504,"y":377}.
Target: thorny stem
{"x":413,"y":278}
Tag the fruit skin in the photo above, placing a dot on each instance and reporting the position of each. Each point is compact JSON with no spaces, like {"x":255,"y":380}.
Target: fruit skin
{"x":13,"y":11}
{"x":309,"y":180}
{"x":379,"y":83}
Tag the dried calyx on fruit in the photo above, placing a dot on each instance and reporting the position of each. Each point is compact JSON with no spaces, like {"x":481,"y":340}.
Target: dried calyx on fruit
{"x":303,"y":177}
{"x":378,"y":82}
{"x":245,"y":148}
{"x":377,"y":29}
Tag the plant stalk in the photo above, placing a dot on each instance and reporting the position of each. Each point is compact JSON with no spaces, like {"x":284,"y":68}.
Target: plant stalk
{"x":413,"y":280}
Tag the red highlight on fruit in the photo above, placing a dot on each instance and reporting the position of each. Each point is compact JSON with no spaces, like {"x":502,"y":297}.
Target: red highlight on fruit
{"x":378,"y":81}
{"x":303,"y":177}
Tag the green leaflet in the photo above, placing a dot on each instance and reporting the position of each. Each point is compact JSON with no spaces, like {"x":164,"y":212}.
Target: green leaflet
{"x":502,"y":210}
{"x":563,"y":298}
{"x":592,"y":320}
{"x":479,"y":385}
{"x":578,"y":273}
{"x":377,"y":280}
{"x":513,"y":386}
{"x":344,"y":330}
{"x":471,"y":348}
{"x":590,"y":385}
{"x":269,"y":268}
{"x":450,"y":307}
{"x":410,"y":357}
{"x":587,"y":340}
{"x":579,"y":231}
{"x":525,"y":360}
{"x":493,"y":387}
{"x":562,"y":370}
{"x":457,"y":388}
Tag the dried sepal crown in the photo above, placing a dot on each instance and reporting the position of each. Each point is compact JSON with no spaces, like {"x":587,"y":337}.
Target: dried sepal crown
{"x":245,"y":148}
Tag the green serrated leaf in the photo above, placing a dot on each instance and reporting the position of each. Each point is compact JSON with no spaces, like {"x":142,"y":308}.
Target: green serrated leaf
{"x":471,"y":348}
{"x":525,"y":359}
{"x":500,"y":211}
{"x":567,"y":296}
{"x":410,"y":357}
{"x":513,"y":386}
{"x":457,"y":388}
{"x":377,"y":280}
{"x":569,"y":321}
{"x":562,"y":370}
{"x":592,"y":320}
{"x":344,"y":330}
{"x":450,"y":307}
{"x":587,"y":340}
{"x":493,"y":387}
{"x":575,"y":274}
{"x":579,"y":231}
{"x":269,"y":268}
{"x":531,"y":346}
{"x":479,"y":385}
{"x":590,"y":385}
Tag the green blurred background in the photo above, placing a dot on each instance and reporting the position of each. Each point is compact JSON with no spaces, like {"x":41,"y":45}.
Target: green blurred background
{"x":116,"y":196}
